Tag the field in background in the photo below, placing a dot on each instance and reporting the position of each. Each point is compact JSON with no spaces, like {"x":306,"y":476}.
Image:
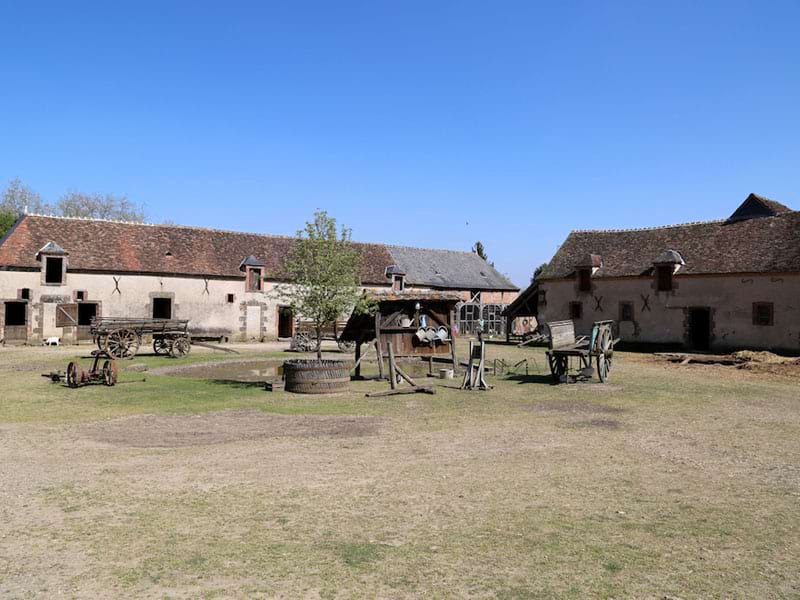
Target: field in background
{"x":669,"y":481}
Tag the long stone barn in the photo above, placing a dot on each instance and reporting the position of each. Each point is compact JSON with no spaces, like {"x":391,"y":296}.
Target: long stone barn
{"x":716,"y":285}
{"x":57,"y":273}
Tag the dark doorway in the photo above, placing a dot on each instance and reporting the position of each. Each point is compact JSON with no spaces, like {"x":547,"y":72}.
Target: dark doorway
{"x":162,"y":308}
{"x":86,"y":312}
{"x":16,"y":322}
{"x":700,"y":328}
{"x":285,"y":322}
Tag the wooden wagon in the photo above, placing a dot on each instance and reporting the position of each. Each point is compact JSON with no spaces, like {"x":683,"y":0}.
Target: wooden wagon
{"x":564,"y":345}
{"x":121,"y":337}
{"x":305,"y":337}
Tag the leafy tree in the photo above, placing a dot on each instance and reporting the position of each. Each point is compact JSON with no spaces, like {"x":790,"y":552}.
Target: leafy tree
{"x":99,"y":206}
{"x":324,"y":269}
{"x":481,"y":251}
{"x":18,"y":197}
{"x":538,"y":271}
{"x":7,"y":219}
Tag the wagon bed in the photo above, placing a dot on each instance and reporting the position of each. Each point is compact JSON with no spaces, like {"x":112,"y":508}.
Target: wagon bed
{"x":564,"y":345}
{"x":121,"y":337}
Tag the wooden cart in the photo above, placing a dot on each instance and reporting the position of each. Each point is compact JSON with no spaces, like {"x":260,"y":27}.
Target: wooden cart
{"x":121,"y":337}
{"x":564,"y":345}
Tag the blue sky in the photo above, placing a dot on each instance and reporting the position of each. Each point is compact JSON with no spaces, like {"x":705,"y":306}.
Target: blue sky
{"x":422,"y":123}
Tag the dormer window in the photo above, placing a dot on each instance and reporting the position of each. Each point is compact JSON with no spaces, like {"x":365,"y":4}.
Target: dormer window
{"x":253,"y":279}
{"x":54,"y":264}
{"x":664,"y":278}
{"x":584,"y":280}
{"x":398,"y":277}
{"x":585,"y":268}
{"x":54,"y":270}
{"x":253,"y":270}
{"x":666,"y":265}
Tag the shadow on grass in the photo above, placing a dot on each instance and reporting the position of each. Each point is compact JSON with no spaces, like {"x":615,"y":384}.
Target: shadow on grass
{"x":237,"y":385}
{"x":548,"y":379}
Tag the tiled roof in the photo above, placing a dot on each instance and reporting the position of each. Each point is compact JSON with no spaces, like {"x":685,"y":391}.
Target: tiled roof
{"x":755,"y":245}
{"x":448,"y":269}
{"x":98,"y":245}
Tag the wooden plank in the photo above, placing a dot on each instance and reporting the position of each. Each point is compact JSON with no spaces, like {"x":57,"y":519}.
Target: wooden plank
{"x":420,"y":389}
{"x":392,"y":367}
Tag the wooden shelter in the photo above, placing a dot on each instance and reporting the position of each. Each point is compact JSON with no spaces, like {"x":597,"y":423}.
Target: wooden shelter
{"x":416,"y":324}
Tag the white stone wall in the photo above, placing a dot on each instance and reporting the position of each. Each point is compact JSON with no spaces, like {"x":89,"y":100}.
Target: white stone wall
{"x":251,"y":316}
{"x":664,"y":320}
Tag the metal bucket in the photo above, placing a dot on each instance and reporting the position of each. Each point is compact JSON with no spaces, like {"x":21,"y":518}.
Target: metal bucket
{"x":317,"y":377}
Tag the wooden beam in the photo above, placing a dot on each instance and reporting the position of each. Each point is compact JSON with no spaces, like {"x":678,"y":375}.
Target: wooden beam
{"x":392,"y":367}
{"x":420,"y":389}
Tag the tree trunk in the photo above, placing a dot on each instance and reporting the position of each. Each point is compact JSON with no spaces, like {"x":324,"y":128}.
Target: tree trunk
{"x":319,"y":343}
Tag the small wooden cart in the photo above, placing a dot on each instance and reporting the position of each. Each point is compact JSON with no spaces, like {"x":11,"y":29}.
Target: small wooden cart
{"x":121,"y":337}
{"x":564,"y":345}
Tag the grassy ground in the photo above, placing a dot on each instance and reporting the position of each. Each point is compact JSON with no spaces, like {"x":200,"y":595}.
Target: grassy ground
{"x":669,"y":481}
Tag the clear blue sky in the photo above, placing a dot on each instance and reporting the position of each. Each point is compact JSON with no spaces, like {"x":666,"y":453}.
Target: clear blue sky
{"x":421,"y":123}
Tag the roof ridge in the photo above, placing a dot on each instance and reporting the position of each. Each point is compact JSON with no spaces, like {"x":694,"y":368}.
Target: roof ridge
{"x":430,"y":249}
{"x":654,"y":228}
{"x":189,"y":227}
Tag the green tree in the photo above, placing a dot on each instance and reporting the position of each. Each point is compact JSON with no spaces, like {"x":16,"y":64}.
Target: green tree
{"x":323,"y":268}
{"x":17,"y":198}
{"x":7,"y":219}
{"x":481,"y":251}
{"x":538,"y":271}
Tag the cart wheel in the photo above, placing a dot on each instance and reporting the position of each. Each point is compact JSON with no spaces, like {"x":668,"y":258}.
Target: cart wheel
{"x":161,"y":346}
{"x":109,"y":376}
{"x":558,"y":366}
{"x":605,"y":347}
{"x":180,"y":347}
{"x":123,"y":343}
{"x":346,"y":347}
{"x":72,"y":375}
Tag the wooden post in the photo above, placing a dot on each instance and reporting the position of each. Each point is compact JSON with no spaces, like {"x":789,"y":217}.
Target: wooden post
{"x":378,"y":344}
{"x":453,"y":351}
{"x":380,"y":359}
{"x":467,"y":383}
{"x":392,"y":371}
{"x":357,"y":374}
{"x":430,"y":364}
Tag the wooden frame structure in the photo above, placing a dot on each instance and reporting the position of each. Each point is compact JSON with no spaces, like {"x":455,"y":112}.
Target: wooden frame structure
{"x":414,"y":324}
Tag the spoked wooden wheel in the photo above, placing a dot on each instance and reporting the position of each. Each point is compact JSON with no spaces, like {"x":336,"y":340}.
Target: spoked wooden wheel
{"x":161,"y":346}
{"x":180,"y":347}
{"x":109,"y":373}
{"x":72,"y":375}
{"x":123,"y":343}
{"x":558,"y":366}
{"x":605,"y":354}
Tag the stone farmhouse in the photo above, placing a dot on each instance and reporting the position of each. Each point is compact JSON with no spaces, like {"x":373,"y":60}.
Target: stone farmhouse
{"x":716,"y":285}
{"x":57,"y":273}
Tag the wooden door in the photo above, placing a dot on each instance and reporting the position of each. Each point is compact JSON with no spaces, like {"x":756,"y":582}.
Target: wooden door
{"x":15,"y":322}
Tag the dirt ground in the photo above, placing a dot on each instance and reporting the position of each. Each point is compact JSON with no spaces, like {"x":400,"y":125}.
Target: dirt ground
{"x":174,"y":431}
{"x":670,"y":481}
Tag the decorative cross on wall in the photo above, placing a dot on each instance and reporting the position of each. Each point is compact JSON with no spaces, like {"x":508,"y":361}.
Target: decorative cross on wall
{"x":598,"y":307}
{"x":645,"y":302}
{"x":116,"y":285}
{"x":205,"y":290}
